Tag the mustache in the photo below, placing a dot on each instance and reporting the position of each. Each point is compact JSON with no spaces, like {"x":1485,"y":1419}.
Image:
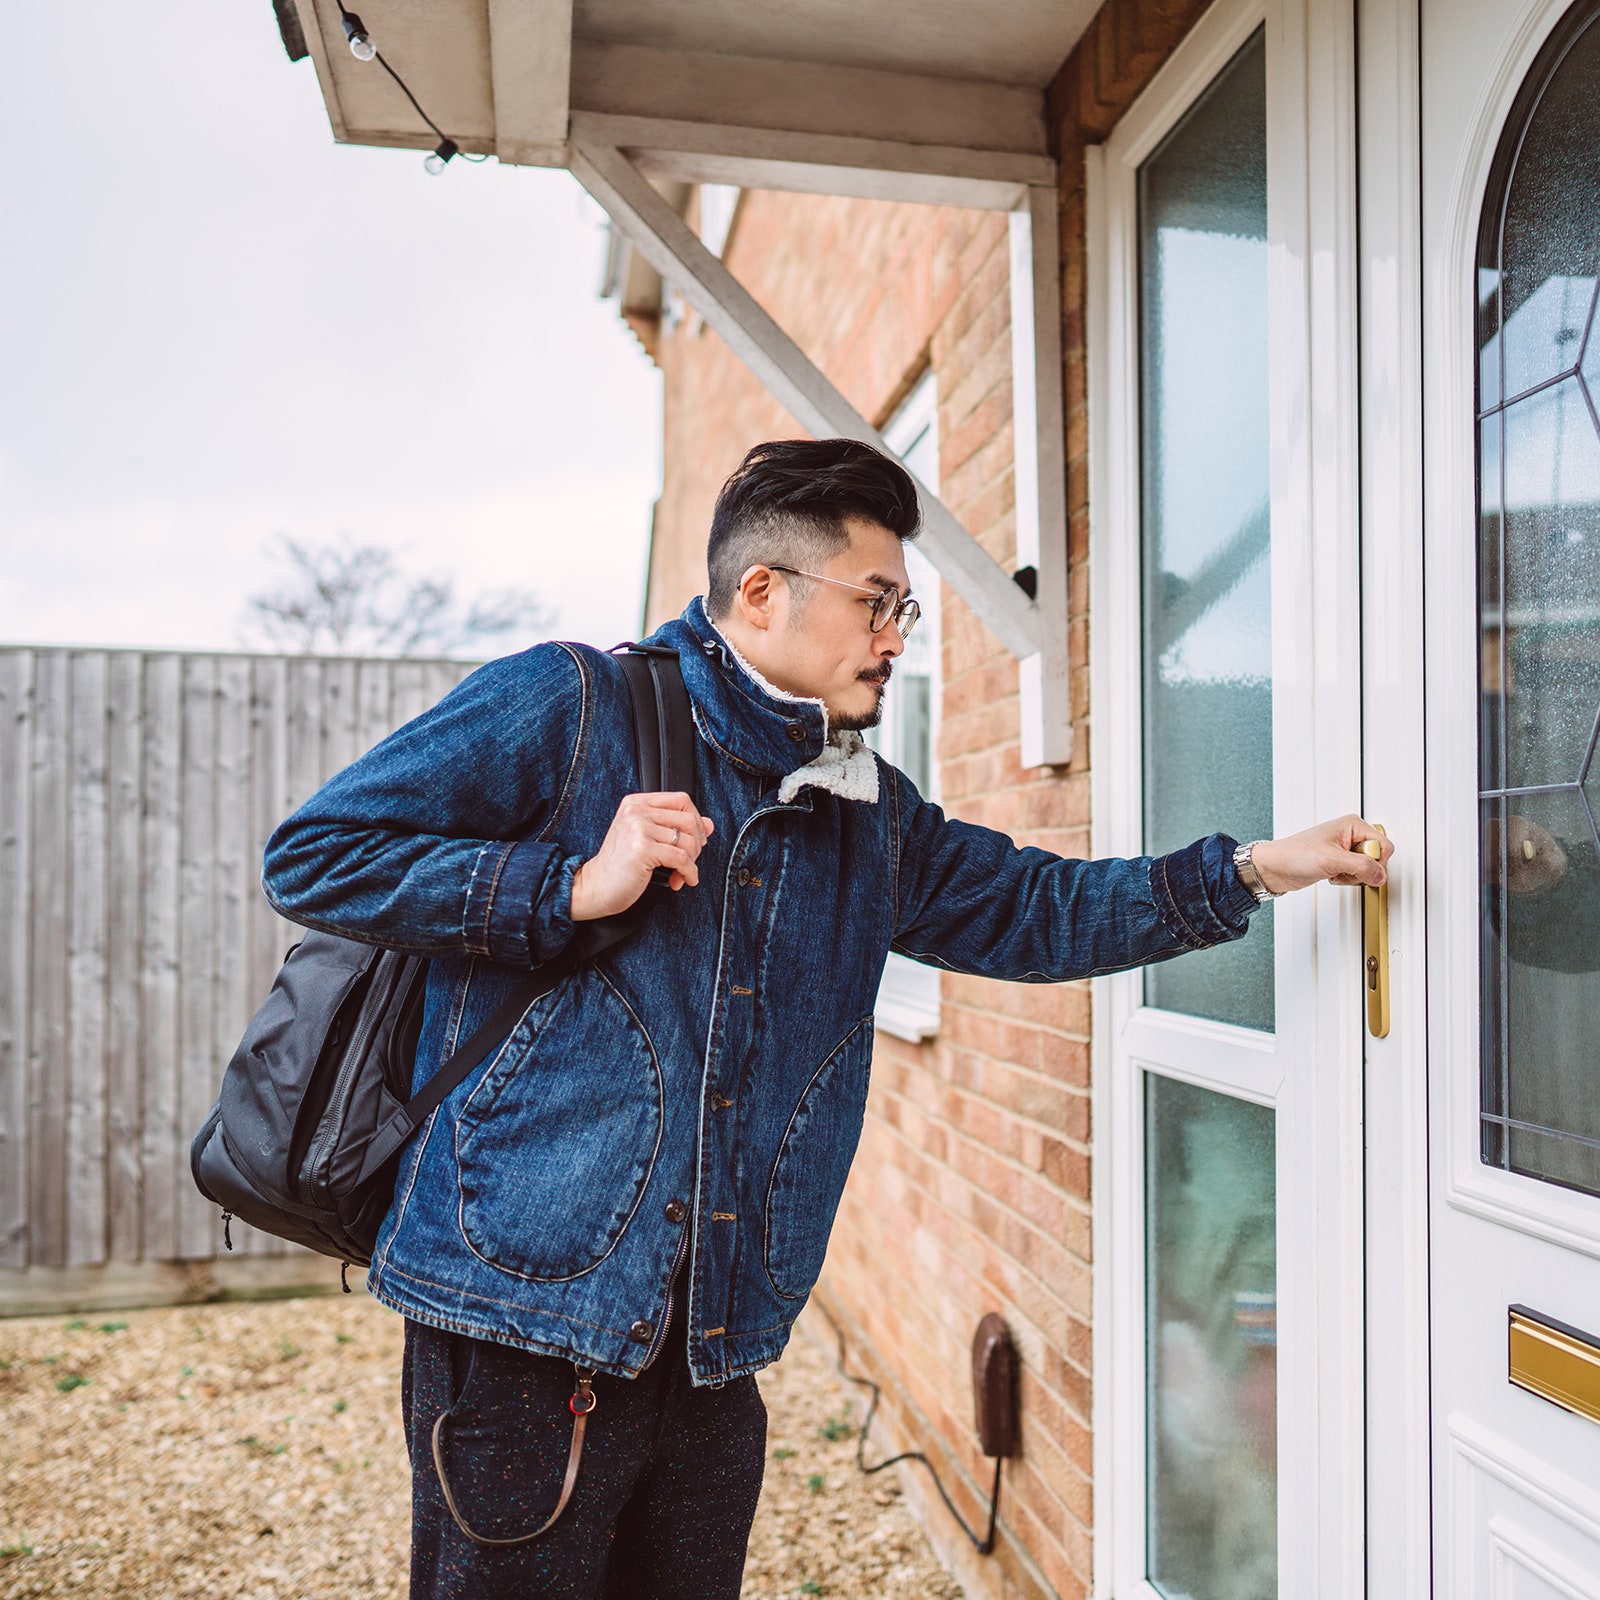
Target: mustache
{"x":882,"y":675}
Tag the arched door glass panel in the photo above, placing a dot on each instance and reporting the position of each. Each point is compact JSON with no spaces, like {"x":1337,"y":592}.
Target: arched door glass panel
{"x":1539,"y":610}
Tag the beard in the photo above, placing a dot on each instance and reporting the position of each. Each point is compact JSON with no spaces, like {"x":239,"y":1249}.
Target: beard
{"x":860,"y":721}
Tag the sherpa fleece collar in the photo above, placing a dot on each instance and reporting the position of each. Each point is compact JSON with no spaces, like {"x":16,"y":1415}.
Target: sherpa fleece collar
{"x":846,"y":767}
{"x":760,"y":726}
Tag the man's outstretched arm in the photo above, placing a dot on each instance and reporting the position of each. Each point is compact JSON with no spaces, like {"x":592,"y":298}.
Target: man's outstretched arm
{"x":970,"y":899}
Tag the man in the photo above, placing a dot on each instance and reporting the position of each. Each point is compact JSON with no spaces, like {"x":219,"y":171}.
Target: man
{"x":642,"y":1179}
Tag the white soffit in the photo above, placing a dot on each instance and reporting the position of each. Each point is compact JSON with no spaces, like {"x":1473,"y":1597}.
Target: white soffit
{"x":1018,"y":42}
{"x":808,"y":94}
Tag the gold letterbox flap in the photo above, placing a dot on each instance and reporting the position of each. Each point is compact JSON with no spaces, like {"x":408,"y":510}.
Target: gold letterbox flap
{"x":1555,"y":1361}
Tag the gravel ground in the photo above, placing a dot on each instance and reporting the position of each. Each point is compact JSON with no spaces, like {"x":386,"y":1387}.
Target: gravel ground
{"x":255,"y":1451}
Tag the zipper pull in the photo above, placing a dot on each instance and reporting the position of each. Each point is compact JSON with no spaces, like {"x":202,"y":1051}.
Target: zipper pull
{"x":227,"y":1237}
{"x":344,"y":1280}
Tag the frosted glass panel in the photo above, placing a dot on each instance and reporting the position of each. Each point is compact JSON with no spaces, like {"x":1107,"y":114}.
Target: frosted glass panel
{"x":1206,"y":525}
{"x":1539,"y":622}
{"x":1212,"y":1341}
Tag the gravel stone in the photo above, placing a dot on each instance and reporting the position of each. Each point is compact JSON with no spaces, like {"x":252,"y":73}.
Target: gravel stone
{"x":254,"y":1452}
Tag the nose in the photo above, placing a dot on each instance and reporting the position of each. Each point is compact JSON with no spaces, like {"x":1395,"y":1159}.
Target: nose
{"x":889,"y":641}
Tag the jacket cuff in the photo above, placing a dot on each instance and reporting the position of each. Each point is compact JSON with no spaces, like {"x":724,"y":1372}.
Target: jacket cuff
{"x":1199,"y":895}
{"x":519,"y":903}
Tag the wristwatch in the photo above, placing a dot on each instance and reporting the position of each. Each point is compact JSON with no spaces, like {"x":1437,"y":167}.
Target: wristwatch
{"x":1248,"y":876}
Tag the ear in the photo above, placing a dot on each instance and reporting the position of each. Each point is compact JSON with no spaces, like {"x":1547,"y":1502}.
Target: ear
{"x":757,"y":600}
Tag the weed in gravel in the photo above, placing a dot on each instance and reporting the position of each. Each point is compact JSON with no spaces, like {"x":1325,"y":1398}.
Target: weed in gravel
{"x":344,"y":1338}
{"x":287,"y":1348}
{"x":811,"y":1586}
{"x":815,"y":1482}
{"x":782,"y":1453}
{"x":186,"y":1371}
{"x":77,"y":1325}
{"x":837,"y":1428}
{"x":73,"y":1380}
{"x":340,"y":1405}
{"x":110,"y":1327}
{"x":9,"y":1551}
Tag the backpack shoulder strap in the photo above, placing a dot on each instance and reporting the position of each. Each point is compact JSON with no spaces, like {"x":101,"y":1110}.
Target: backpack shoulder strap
{"x":664,"y":739}
{"x":663,"y":722}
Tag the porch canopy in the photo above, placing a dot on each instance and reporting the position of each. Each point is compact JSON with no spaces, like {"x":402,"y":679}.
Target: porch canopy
{"x":934,"y":101}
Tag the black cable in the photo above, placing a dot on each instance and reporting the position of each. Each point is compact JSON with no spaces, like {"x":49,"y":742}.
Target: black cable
{"x":984,"y":1546}
{"x":378,"y":57}
{"x":444,"y":138}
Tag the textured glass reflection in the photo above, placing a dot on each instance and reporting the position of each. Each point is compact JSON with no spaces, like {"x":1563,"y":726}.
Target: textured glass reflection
{"x":1206,"y":527}
{"x":1211,"y":1222}
{"x":1539,"y":609}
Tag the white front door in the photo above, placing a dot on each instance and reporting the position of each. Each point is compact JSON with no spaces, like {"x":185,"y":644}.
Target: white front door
{"x":1510,"y":381}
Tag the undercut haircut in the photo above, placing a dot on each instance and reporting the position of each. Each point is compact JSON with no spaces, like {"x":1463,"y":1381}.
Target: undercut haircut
{"x":788,"y":501}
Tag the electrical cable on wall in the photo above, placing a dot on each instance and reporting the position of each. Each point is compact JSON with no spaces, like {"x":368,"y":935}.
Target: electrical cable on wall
{"x":994,"y":1366}
{"x":363,"y":49}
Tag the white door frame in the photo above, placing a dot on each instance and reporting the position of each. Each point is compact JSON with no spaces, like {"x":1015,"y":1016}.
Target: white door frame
{"x":1399,"y":1562}
{"x":1310,"y":1069}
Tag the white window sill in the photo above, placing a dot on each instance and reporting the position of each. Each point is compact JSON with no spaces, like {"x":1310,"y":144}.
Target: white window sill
{"x":908,"y":1000}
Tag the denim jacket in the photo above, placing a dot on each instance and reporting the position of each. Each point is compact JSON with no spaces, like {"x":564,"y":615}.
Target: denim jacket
{"x":697,"y":1091}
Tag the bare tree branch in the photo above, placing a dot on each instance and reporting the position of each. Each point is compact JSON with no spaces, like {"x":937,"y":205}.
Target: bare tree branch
{"x":341,"y":598}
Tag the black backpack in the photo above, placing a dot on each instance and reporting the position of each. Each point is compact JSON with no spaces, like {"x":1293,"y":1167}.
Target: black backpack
{"x":316,"y":1104}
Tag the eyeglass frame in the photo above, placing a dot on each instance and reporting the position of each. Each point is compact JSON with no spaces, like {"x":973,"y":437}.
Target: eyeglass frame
{"x":880,"y":596}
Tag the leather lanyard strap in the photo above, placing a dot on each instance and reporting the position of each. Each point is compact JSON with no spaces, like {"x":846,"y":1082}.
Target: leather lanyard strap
{"x":583,"y":1401}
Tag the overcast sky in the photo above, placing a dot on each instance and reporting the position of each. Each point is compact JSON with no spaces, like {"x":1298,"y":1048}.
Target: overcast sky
{"x":218,"y":326}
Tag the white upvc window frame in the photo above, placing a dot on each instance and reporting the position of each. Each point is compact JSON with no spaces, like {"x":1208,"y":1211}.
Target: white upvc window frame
{"x":908,"y":996}
{"x":1309,"y":1069}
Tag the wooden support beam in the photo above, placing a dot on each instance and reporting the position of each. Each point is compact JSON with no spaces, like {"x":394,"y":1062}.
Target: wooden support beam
{"x":825,"y":98}
{"x":809,"y":162}
{"x":1039,"y":425}
{"x":668,"y":243}
{"x":530,"y":59}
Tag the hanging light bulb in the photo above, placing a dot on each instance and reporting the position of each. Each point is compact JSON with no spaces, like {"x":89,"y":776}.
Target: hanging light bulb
{"x":436,"y":162}
{"x":361,"y":47}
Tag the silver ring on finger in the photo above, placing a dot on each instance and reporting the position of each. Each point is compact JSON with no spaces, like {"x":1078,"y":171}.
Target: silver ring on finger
{"x":675,"y":835}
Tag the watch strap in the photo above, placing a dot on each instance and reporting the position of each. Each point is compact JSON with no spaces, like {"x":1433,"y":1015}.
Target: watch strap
{"x":1244,"y":865}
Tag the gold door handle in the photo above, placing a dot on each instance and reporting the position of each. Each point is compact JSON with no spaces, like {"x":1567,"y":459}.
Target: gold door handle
{"x":1375,"y":965}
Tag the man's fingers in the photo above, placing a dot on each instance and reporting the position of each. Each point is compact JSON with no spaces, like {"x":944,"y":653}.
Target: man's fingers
{"x":1357,"y":867}
{"x":683,"y":817}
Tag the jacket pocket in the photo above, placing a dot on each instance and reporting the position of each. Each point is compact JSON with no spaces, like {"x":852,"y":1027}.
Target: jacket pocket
{"x":555,"y":1145}
{"x":812,"y":1164}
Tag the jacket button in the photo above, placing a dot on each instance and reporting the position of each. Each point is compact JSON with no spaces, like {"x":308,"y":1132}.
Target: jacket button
{"x":642,"y":1332}
{"x":796,"y":732}
{"x":744,"y":877}
{"x":676,"y":1211}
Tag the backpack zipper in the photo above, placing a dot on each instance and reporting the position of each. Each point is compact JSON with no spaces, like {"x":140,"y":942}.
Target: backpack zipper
{"x":326,"y":1136}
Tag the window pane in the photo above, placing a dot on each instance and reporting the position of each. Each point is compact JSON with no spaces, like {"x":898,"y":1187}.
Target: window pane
{"x":1212,"y":1334}
{"x":1539,"y":615}
{"x":1206,"y":526}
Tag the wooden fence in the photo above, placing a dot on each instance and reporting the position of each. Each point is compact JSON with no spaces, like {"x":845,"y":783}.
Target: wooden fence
{"x":137,"y":790}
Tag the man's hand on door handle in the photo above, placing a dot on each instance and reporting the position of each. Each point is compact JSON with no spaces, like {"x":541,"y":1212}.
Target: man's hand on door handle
{"x":1328,"y":853}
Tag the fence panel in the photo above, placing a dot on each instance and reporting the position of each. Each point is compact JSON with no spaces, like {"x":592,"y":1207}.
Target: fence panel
{"x":137,"y":791}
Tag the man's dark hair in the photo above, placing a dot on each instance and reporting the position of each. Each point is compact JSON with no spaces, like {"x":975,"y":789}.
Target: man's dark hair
{"x":788,"y":500}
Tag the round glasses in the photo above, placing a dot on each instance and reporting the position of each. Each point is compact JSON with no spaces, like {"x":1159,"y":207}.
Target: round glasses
{"x":887,"y":605}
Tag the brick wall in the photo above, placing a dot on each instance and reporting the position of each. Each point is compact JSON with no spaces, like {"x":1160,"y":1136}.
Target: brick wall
{"x":971,"y":1192}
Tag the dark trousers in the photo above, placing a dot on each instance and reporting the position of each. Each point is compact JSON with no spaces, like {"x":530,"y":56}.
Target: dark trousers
{"x":665,"y":1495}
